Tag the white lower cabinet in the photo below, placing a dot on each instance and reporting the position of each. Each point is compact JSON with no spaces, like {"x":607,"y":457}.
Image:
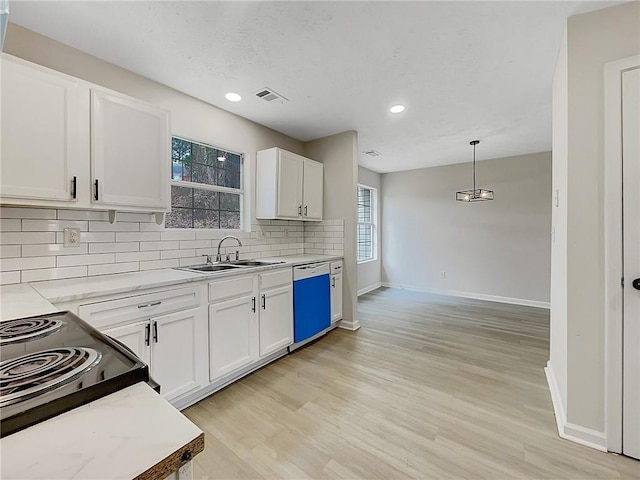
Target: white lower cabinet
{"x":336,"y":291}
{"x":250,"y":318}
{"x":276,"y":319}
{"x":232,"y":342}
{"x":166,"y":330}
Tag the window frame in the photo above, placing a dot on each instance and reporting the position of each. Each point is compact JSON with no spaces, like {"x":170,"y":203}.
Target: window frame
{"x":215,"y":188}
{"x":373,"y":224}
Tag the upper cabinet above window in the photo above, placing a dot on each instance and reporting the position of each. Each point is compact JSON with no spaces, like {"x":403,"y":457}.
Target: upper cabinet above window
{"x":288,"y":186}
{"x":68,"y":143}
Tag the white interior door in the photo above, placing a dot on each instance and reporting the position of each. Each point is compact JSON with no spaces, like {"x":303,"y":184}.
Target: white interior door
{"x":631,"y":253}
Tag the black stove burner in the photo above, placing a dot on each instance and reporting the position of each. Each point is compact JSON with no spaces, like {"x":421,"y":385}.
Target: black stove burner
{"x":19,"y":330}
{"x":28,"y":375}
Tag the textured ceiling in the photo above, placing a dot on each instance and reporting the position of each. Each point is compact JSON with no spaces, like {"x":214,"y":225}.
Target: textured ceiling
{"x":464,"y":70}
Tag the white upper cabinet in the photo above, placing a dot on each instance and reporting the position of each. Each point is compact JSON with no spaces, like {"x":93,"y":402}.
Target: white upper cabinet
{"x":43,"y":145}
{"x":288,"y":186}
{"x":61,"y":135}
{"x":312,"y":187}
{"x":130,"y":152}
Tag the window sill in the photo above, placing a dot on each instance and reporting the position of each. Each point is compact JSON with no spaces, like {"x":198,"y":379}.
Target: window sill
{"x":369,"y":260}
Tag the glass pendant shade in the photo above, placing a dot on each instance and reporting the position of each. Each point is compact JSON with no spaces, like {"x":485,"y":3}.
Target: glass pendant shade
{"x":475,"y":194}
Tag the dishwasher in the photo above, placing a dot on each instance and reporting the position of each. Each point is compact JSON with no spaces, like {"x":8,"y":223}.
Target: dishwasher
{"x":311,"y":303}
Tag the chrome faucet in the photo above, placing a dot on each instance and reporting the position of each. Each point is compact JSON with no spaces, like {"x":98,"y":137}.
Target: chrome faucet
{"x":209,"y":262}
{"x":219,"y":257}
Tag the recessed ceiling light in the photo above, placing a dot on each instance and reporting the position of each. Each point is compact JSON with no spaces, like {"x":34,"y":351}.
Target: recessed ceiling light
{"x":232,"y":97}
{"x":397,"y":109}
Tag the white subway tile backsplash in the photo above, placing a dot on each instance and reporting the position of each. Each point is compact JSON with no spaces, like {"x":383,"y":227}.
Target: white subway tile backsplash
{"x":20,"y":238}
{"x":29,"y":263}
{"x":137,"y":236}
{"x":168,"y":254}
{"x":52,"y":225}
{"x":10,"y":225}
{"x":41,"y":250}
{"x":91,"y":259}
{"x":92,"y":237}
{"x":113,"y":227}
{"x":7,"y":278}
{"x":137,"y":256}
{"x":83,"y":215}
{"x":114,"y":247}
{"x":178,"y":235}
{"x":32,"y":243}
{"x":170,"y":245}
{"x":156,"y":264}
{"x":10,"y":251}
{"x":110,"y":268}
{"x":53,"y":274}
{"x":26,"y":212}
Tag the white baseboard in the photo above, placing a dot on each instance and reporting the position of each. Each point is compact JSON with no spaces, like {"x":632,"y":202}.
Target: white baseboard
{"x":570,"y":431}
{"x":353,"y":325}
{"x":370,"y":288}
{"x":476,"y":296}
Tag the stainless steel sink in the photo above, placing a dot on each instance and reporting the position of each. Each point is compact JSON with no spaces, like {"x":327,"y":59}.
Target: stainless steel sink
{"x":255,"y":263}
{"x":218,"y":267}
{"x":210,"y":268}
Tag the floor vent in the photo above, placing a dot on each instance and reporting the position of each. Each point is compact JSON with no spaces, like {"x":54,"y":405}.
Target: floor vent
{"x":269,"y":95}
{"x":373,"y":153}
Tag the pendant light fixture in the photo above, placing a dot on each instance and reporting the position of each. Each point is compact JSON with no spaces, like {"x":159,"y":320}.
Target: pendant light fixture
{"x":477,"y":194}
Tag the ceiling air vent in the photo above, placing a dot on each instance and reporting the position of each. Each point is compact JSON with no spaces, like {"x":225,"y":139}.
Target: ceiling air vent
{"x":372,"y":153}
{"x":269,"y":95}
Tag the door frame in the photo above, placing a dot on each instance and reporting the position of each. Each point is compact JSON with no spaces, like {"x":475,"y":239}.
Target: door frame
{"x":613,"y":320}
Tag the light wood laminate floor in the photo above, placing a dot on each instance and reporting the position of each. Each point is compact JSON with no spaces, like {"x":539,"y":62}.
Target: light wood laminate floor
{"x":429,"y":387}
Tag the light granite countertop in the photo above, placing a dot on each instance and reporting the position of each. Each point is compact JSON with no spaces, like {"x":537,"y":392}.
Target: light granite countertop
{"x":119,"y":436}
{"x":59,"y":291}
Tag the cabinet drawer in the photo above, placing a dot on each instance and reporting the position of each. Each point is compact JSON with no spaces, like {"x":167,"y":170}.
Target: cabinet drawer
{"x":275,"y":279}
{"x":231,"y":288}
{"x":125,"y":310}
{"x":336,"y":267}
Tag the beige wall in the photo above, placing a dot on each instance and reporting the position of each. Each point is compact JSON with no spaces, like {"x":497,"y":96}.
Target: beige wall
{"x":593,"y":39}
{"x":498,"y":249}
{"x":190,"y":118}
{"x":339,"y":154}
{"x":369,"y":272}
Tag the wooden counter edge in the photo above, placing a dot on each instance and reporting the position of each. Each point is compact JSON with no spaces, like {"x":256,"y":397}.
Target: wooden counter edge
{"x":173,"y":462}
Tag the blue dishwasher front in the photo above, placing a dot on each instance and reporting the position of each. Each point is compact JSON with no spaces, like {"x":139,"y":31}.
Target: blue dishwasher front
{"x":311,"y":301}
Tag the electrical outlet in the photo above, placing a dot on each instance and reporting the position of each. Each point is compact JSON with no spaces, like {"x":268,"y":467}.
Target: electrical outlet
{"x":443,"y":275}
{"x":71,"y":237}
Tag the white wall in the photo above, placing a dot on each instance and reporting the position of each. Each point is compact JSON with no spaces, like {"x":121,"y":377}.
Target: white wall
{"x":369,"y":273}
{"x":497,"y":249}
{"x":339,"y":154}
{"x":593,"y":39}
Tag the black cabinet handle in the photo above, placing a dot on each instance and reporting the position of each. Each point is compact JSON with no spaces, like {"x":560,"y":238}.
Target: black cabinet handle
{"x":96,"y":195}
{"x":636,"y":284}
{"x":305,"y":210}
{"x":299,"y":209}
{"x":155,"y":332}
{"x":333,"y":281}
{"x":253,"y":304}
{"x":74,"y":187}
{"x":264,"y":302}
{"x":147,"y":333}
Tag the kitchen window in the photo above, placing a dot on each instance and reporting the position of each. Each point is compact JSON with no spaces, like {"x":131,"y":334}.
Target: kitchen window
{"x":206,"y":186}
{"x":367,"y":240}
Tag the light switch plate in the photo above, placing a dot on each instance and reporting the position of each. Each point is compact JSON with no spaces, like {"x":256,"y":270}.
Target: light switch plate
{"x":71,"y":237}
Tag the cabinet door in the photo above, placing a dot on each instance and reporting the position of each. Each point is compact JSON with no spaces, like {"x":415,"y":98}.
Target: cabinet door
{"x":174,"y":352}
{"x":276,"y":319}
{"x":130,"y":152}
{"x":312,"y":190}
{"x":232,"y":335}
{"x":336,"y":298}
{"x":43,"y":147}
{"x":136,"y":337}
{"x":290,"y":174}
